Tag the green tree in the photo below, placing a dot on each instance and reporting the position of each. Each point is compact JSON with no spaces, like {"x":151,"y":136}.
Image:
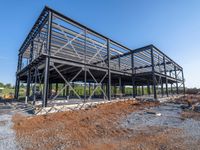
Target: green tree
{"x":1,"y":84}
{"x":8,"y":85}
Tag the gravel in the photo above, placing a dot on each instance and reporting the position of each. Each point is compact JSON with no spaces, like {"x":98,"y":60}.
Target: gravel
{"x":7,"y":134}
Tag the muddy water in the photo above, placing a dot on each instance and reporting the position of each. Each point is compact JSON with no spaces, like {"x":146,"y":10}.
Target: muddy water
{"x":170,"y":117}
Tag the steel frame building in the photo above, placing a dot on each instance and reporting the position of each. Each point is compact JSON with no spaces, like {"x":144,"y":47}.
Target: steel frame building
{"x":59,"y":50}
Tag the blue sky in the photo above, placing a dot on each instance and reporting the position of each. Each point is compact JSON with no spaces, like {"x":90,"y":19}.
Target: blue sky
{"x":171,"y":25}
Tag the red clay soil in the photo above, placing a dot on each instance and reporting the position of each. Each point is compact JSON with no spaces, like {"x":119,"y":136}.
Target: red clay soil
{"x":95,"y":128}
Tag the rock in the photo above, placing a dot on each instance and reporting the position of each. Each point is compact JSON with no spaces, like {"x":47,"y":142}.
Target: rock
{"x":155,"y":113}
{"x":196,"y":108}
{"x":185,"y":106}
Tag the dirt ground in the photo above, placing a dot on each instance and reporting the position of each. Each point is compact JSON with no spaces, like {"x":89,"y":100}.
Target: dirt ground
{"x":97,"y":128}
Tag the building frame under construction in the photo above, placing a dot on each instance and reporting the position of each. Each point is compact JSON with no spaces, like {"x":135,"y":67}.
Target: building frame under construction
{"x":62,"y":59}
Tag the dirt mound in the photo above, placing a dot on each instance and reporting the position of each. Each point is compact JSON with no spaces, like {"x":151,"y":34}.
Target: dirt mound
{"x":98,"y":128}
{"x":76,"y":129}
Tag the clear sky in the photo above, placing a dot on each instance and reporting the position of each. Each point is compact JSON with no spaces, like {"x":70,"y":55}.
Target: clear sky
{"x":171,"y":25}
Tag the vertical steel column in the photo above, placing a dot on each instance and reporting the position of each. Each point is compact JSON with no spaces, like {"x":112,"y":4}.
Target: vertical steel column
{"x":73,"y":86}
{"x":136,"y":90}
{"x":166,"y":80}
{"x":153,"y":74}
{"x":47,"y":61}
{"x":67,"y":92}
{"x":109,"y":74}
{"x":115,"y":90}
{"x":171,"y":89}
{"x":63,"y":90}
{"x":123,"y":90}
{"x":120,"y":87}
{"x":148,"y":88}
{"x":85,"y":71}
{"x":89,"y":88}
{"x":183,"y":80}
{"x":162,"y":92}
{"x":56,"y":88}
{"x":175,"y":69}
{"x":17,"y":84}
{"x":133,"y":75}
{"x":35,"y":82}
{"x":28,"y":86}
{"x":142,"y":90}
{"x":29,"y":73}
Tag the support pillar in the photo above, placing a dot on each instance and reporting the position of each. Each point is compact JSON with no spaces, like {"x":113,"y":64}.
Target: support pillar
{"x":28,"y":86}
{"x":153,"y":74}
{"x":109,"y":73}
{"x":148,"y":89}
{"x":67,"y":92}
{"x":89,"y":88}
{"x":175,"y":69}
{"x":56,"y":88}
{"x":85,"y":80}
{"x":167,"y":93}
{"x":64,"y":92}
{"x":166,"y":80}
{"x":183,"y":82}
{"x":142,"y":90}
{"x":133,"y":75}
{"x":162,"y":92}
{"x":47,"y":61}
{"x":17,"y":85}
{"x":115,"y":91}
{"x":120,"y":87}
{"x":171,"y":89}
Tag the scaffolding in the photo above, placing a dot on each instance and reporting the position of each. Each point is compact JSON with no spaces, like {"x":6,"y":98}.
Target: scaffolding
{"x":63,"y":60}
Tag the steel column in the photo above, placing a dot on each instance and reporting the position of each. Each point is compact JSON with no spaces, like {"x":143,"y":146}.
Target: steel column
{"x":153,"y":74}
{"x":171,"y":89}
{"x":17,"y":84}
{"x":85,"y":70}
{"x":47,"y":61}
{"x":175,"y":69}
{"x":109,"y":73}
{"x":28,"y":86}
{"x":162,"y":92}
{"x":120,"y":87}
{"x":183,"y":82}
{"x":35,"y":83}
{"x":133,"y":75}
{"x":56,"y":88}
{"x":166,"y":80}
{"x":142,"y":90}
{"x":148,"y":89}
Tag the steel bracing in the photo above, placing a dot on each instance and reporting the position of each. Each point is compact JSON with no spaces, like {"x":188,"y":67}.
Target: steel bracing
{"x":62,"y":59}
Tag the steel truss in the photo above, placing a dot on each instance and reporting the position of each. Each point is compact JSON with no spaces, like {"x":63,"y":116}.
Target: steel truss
{"x":62,"y":59}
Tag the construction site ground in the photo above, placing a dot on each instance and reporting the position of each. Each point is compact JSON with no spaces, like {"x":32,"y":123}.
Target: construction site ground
{"x":130,"y":124}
